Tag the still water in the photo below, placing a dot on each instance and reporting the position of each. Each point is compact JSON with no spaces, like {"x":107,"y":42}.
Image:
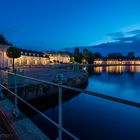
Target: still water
{"x":93,"y":118}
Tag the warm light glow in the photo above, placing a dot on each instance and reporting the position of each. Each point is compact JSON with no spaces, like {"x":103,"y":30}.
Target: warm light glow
{"x":98,"y":62}
{"x":115,"y":69}
{"x":117,"y":62}
{"x":98,"y":69}
{"x":31,"y":60}
{"x":84,"y":68}
{"x":58,"y":58}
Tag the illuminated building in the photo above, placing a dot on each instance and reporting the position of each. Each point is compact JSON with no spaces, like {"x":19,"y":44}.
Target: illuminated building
{"x":32,"y":58}
{"x":27,"y":58}
{"x":4,"y":61}
{"x":58,"y":57}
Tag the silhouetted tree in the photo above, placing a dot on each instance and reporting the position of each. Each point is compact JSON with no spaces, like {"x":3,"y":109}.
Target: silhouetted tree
{"x":3,"y":40}
{"x":115,"y":56}
{"x":131,"y":56}
{"x":91,"y":58}
{"x":97,"y":55}
{"x":86,"y":54}
{"x":77,"y":55}
{"x":13,"y":52}
{"x":60,"y":52}
{"x":120,"y":56}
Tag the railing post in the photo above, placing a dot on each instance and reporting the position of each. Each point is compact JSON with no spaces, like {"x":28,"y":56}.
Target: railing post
{"x":1,"y":78}
{"x":16,"y":111}
{"x":60,"y":79}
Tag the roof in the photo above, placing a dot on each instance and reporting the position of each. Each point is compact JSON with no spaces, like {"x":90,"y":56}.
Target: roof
{"x":56,"y":53}
{"x":33,"y":53}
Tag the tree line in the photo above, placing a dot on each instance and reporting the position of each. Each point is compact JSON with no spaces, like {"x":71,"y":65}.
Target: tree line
{"x":89,"y":57}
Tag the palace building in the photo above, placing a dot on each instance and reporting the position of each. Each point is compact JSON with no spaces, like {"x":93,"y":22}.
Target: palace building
{"x":32,"y":58}
{"x":29,"y":57}
{"x":58,"y":57}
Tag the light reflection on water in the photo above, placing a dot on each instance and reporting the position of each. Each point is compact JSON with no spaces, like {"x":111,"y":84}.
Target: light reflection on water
{"x":116,"y":69}
{"x":89,"y":117}
{"x":118,"y":81}
{"x":112,"y":69}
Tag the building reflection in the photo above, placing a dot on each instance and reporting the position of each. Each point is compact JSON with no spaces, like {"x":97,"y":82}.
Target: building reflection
{"x":97,"y":70}
{"x":137,"y":68}
{"x":116,"y":62}
{"x":115,"y":69}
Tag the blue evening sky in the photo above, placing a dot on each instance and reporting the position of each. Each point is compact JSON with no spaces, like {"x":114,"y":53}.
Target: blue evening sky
{"x":55,"y":24}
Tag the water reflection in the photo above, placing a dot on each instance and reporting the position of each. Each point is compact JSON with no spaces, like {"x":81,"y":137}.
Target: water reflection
{"x":117,"y":81}
{"x":89,"y":117}
{"x":97,"y":70}
{"x":46,"y":103}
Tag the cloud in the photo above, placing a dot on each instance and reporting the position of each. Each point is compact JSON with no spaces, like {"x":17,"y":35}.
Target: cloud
{"x":116,"y":35}
{"x":130,"y":36}
{"x":127,"y":39}
{"x":135,"y":32}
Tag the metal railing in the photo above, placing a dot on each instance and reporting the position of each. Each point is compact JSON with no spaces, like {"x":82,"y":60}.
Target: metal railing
{"x":16,"y":112}
{"x":123,"y":101}
{"x":60,"y":86}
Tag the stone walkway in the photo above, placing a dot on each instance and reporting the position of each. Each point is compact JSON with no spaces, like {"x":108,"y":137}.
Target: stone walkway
{"x":4,"y":135}
{"x":23,"y":127}
{"x":4,"y":132}
{"x":49,"y":74}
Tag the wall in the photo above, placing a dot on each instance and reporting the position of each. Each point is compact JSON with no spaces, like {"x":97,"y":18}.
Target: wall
{"x":59,"y":58}
{"x":4,"y":61}
{"x":30,"y":60}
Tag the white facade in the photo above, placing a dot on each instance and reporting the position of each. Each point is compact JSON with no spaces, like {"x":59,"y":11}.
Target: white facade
{"x":25,"y":59}
{"x":58,"y":58}
{"x":4,"y":61}
{"x":29,"y":58}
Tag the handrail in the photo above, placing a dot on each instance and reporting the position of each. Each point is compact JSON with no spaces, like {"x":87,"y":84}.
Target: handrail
{"x":42,"y":114}
{"x":111,"y":98}
{"x":107,"y":97}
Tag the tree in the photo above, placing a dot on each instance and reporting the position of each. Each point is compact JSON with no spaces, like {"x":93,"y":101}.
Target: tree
{"x":131,"y":56}
{"x":88,"y":56}
{"x":120,"y":56}
{"x":77,"y":55}
{"x":13,"y":52}
{"x":3,"y":40}
{"x":72,"y":59}
{"x":80,"y":57}
{"x":115,"y":56}
{"x":97,"y":55}
{"x":60,"y":52}
{"x":91,"y":58}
